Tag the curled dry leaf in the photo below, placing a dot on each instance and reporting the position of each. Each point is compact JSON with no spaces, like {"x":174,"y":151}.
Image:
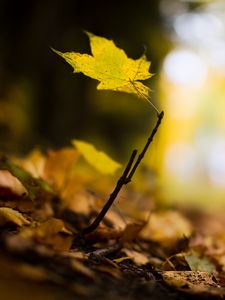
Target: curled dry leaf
{"x":7,"y":180}
{"x":176,"y":262}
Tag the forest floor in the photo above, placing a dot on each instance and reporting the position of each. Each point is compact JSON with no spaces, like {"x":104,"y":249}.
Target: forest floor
{"x":48,"y":253}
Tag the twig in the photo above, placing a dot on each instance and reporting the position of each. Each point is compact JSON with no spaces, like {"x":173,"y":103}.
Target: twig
{"x":124,"y":179}
{"x":105,"y":251}
{"x":112,"y":196}
{"x":142,"y":154}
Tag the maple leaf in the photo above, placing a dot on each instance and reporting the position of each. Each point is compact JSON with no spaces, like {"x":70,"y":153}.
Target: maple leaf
{"x":98,"y":159}
{"x":111,"y":66}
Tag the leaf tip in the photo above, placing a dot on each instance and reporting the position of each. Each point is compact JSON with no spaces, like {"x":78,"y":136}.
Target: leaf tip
{"x":56,"y":51}
{"x":89,"y":34}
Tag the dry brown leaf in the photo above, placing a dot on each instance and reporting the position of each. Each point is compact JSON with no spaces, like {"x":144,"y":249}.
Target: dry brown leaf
{"x":51,"y":227}
{"x":21,"y":204}
{"x":166,"y":227}
{"x":58,"y":166}
{"x":115,"y":218}
{"x":34,"y":163}
{"x":9,"y":215}
{"x":176,"y":262}
{"x":78,"y":200}
{"x":10,"y":199}
{"x":7,"y":180}
{"x":194,"y":282}
{"x":131,"y":231}
{"x":54,"y":234}
{"x":21,"y":241}
{"x":139,"y":258}
{"x":37,"y":189}
{"x":102,"y":234}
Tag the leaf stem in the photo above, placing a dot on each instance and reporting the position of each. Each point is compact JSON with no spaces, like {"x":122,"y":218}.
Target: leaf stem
{"x":126,"y":177}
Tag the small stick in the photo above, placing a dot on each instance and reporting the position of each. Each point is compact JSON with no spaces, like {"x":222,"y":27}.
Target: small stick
{"x":124,"y":179}
{"x":112,"y":196}
{"x":105,"y":251}
{"x":142,"y":154}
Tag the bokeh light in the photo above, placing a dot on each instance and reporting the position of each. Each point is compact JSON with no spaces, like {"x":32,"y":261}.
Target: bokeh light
{"x":192,"y":94}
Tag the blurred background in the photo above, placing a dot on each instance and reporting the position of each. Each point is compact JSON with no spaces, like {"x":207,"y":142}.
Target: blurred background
{"x":42,"y":103}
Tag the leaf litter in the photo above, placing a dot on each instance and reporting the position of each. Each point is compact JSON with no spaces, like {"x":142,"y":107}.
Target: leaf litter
{"x":43,"y":243}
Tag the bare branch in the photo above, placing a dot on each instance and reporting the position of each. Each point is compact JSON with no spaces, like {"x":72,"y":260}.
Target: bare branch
{"x":112,"y":196}
{"x":124,"y":179}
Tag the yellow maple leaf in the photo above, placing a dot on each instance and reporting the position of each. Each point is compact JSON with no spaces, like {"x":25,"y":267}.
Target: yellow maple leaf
{"x":98,"y":159}
{"x":111,"y":66}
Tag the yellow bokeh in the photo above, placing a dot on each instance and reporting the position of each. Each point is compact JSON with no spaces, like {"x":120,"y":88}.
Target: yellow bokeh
{"x":191,"y":156}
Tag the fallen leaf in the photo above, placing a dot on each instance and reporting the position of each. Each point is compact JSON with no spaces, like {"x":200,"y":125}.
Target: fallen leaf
{"x":58,"y":167}
{"x":176,"y":262}
{"x":10,"y":215}
{"x":111,"y":66}
{"x":54,"y":234}
{"x":138,"y":258}
{"x":78,"y":201}
{"x":198,"y":263}
{"x":166,"y":227}
{"x":33,"y":163}
{"x":98,"y":159}
{"x":194,"y":282}
{"x":103,"y":233}
{"x":7,"y":180}
{"x":131,"y":231}
{"x":34,"y":186}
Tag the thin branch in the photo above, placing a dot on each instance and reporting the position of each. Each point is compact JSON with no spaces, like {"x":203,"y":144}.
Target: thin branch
{"x":142,"y":154}
{"x":112,"y":196}
{"x":124,"y":179}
